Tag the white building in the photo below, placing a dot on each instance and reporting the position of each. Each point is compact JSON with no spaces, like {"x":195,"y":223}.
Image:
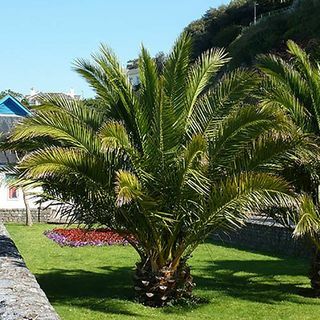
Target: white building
{"x":12,"y":111}
{"x":12,"y":197}
{"x":133,"y":72}
{"x":34,"y":97}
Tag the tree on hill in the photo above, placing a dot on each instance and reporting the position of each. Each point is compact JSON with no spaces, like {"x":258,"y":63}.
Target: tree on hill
{"x":231,"y":27}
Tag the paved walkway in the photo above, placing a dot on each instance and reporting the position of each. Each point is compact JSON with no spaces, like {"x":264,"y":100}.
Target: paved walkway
{"x":21,"y":297}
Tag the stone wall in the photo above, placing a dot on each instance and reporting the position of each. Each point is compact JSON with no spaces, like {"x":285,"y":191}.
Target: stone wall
{"x":265,"y":235}
{"x":19,"y":215}
{"x":20,"y":295}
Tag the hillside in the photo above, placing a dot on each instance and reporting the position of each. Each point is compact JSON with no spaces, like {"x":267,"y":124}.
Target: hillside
{"x":232,"y":27}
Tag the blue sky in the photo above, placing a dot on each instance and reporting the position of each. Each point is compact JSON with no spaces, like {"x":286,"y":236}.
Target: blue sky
{"x":41,"y":38}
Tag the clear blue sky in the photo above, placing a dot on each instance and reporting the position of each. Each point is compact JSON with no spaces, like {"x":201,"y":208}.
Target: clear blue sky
{"x":41,"y":38}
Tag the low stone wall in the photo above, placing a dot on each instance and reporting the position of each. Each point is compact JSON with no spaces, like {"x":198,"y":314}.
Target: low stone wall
{"x":19,"y":215}
{"x":266,"y":235}
{"x":20,"y":295}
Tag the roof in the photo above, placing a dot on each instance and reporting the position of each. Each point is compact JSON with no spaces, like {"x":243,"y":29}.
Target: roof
{"x":39,"y":96}
{"x":11,"y":111}
{"x":7,"y":157}
{"x":9,"y":106}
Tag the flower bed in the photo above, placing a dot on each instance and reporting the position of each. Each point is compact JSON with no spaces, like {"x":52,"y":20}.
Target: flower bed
{"x":78,"y":237}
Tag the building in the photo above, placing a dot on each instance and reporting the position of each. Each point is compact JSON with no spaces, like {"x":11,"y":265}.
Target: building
{"x":133,"y":72}
{"x":11,"y":112}
{"x":34,"y":98}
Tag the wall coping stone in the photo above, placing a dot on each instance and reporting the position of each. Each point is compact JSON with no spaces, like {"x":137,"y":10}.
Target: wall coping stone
{"x":21,"y":297}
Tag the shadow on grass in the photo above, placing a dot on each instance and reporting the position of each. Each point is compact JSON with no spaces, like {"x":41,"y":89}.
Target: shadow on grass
{"x":252,"y":280}
{"x":106,"y":291}
{"x":110,"y":289}
{"x":263,"y":281}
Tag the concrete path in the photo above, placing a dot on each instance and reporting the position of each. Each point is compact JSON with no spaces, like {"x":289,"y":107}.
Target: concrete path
{"x":21,"y":297}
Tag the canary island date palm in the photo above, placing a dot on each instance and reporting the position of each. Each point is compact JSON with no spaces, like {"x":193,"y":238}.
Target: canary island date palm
{"x":308,"y":225}
{"x":168,"y":164}
{"x":294,"y":86}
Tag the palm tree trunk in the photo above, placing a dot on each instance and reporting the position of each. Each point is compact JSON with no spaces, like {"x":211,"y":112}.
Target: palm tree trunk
{"x":27,"y":207}
{"x":25,"y":200}
{"x":163,"y":287}
{"x":315,"y":272}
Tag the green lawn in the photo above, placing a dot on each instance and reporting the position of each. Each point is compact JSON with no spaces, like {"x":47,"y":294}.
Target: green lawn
{"x":95,"y":283}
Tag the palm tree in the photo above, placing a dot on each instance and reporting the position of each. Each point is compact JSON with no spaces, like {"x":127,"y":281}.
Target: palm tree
{"x":14,"y":182}
{"x":169,"y":164}
{"x":308,"y":225}
{"x":294,"y":86}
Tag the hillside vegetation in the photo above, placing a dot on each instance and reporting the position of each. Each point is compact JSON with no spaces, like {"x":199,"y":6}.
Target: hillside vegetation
{"x":232,"y":27}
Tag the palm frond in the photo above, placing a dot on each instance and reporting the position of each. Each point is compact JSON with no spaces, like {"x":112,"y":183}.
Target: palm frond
{"x":128,"y":188}
{"x":122,"y":100}
{"x":201,"y":75}
{"x":114,"y":136}
{"x":309,"y":219}
{"x":230,"y":91}
{"x":58,"y":126}
{"x":76,"y":109}
{"x":237,"y":131}
{"x":61,"y":161}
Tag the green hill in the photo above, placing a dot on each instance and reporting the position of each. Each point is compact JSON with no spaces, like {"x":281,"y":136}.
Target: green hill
{"x":277,"y":21}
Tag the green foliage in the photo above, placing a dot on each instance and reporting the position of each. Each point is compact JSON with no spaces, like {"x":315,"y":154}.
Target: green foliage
{"x":167,"y":163}
{"x":232,"y":27}
{"x":271,"y":32}
{"x":295,"y":87}
{"x":309,"y":221}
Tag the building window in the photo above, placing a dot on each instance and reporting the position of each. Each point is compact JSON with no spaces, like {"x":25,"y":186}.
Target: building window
{"x":13,"y":193}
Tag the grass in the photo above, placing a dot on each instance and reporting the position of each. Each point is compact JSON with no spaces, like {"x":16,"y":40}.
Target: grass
{"x":95,"y":282}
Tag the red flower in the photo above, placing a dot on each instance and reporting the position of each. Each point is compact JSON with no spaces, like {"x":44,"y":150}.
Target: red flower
{"x":81,"y":237}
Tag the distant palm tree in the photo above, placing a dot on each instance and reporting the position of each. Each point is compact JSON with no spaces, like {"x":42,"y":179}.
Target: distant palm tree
{"x":169,"y":164}
{"x":294,"y":86}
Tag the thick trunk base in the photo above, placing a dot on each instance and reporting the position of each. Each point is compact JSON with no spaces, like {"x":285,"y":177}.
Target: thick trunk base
{"x":315,"y":273}
{"x":164,"y":287}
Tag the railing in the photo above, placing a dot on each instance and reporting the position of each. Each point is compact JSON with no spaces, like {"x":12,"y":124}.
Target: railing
{"x":265,"y":17}
{"x":288,"y":9}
